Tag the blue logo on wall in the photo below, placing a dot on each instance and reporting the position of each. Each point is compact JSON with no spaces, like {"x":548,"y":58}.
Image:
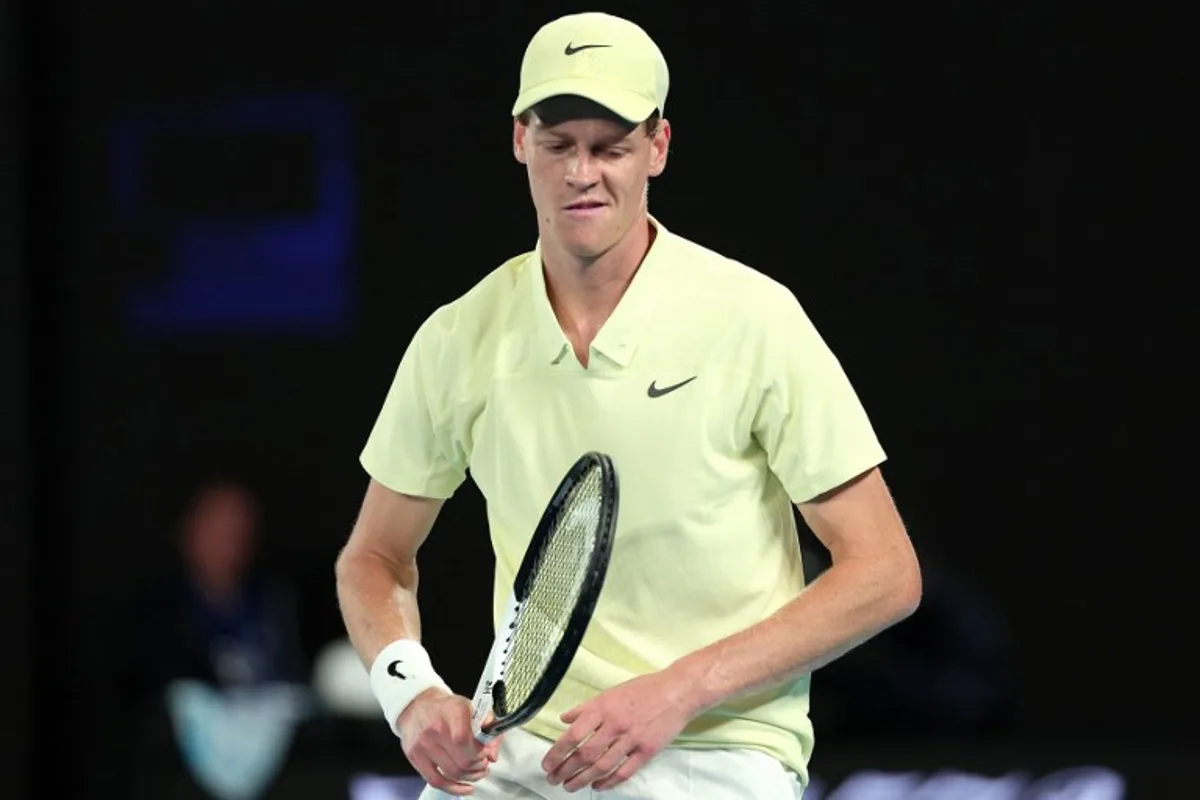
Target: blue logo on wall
{"x":258,"y":244}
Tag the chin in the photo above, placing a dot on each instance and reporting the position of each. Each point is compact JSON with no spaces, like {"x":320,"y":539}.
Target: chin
{"x":588,"y":250}
{"x":581,"y":244}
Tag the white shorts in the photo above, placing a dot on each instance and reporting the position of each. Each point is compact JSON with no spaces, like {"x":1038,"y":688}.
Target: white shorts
{"x":674,"y":774}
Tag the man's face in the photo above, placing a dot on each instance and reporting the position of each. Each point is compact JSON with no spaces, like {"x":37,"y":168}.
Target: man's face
{"x":220,"y":536}
{"x":588,"y":179}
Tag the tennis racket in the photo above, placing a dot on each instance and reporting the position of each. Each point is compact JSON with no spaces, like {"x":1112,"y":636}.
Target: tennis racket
{"x":552,"y":598}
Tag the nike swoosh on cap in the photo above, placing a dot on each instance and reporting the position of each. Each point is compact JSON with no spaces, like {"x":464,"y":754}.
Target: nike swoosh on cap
{"x":573,"y":50}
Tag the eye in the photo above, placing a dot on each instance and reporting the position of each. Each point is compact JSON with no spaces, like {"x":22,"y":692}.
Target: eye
{"x":614,"y":152}
{"x":558,"y":147}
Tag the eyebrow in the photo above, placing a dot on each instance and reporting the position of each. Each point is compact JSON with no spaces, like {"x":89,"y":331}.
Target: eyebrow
{"x":607,"y":141}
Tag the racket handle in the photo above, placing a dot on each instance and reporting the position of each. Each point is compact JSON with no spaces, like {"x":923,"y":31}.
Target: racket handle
{"x":481,"y":703}
{"x":481,"y":706}
{"x":479,"y":719}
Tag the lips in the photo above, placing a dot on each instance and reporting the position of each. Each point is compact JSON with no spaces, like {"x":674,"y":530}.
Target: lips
{"x":585,"y":205}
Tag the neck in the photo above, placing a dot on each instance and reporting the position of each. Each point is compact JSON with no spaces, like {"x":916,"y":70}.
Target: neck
{"x":584,"y":292}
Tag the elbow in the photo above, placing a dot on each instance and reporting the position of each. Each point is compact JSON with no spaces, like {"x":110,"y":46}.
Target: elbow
{"x":355,"y":565}
{"x":906,"y":594}
{"x":348,"y":565}
{"x":343,"y":566}
{"x":345,"y":559}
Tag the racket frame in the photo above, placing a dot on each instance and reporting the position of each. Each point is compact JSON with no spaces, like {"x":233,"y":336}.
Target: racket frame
{"x":580,"y":617}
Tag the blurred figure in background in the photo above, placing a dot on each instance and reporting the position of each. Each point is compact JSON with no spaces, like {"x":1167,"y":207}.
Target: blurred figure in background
{"x":217,"y":659}
{"x":218,"y":620}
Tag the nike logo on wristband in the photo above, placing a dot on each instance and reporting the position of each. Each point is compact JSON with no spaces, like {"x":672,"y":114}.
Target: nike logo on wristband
{"x":394,"y":670}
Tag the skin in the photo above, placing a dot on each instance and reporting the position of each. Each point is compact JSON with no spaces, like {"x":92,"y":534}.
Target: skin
{"x":219,"y":539}
{"x":377,"y":590}
{"x":589,"y":260}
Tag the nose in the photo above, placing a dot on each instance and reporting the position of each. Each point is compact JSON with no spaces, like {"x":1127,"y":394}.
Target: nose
{"x":582,"y":171}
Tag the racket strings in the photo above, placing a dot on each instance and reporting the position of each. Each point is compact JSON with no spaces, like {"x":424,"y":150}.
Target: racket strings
{"x":554,"y":591}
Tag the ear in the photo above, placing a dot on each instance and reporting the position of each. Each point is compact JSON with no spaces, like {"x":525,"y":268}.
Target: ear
{"x":660,"y":145}
{"x":519,"y":131}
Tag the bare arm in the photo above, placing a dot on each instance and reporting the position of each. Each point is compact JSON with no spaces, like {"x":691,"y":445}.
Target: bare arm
{"x":874,"y":582}
{"x":377,"y":569}
{"x":377,"y":592}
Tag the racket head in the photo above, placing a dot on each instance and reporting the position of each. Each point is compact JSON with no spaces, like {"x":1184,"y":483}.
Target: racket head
{"x":587,"y":498}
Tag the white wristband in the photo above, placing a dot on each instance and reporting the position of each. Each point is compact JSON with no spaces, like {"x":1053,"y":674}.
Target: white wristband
{"x":402,"y":671}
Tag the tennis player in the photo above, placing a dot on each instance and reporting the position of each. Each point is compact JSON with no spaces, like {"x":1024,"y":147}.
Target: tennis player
{"x":722,"y":408}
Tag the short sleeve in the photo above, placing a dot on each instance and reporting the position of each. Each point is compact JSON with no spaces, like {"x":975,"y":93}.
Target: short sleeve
{"x":412,"y":447}
{"x":809,"y":419}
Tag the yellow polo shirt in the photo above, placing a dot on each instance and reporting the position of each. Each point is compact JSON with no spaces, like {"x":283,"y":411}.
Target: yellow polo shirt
{"x":720,"y":405}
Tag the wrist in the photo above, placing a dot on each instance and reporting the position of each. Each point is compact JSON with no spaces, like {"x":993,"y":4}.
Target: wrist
{"x":400,"y":674}
{"x":431,"y":693}
{"x":695,"y":672}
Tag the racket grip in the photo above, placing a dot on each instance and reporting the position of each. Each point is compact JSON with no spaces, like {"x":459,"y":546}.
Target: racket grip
{"x":482,"y":702}
{"x":482,"y":736}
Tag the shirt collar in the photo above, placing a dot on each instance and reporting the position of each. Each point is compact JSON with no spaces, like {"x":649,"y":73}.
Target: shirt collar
{"x":622,"y":332}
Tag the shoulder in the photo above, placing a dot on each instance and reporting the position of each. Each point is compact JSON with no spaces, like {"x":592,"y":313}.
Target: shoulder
{"x":485,"y":307}
{"x":712,"y":282}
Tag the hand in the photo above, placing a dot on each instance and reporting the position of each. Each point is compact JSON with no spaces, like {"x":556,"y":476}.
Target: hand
{"x":612,"y":735}
{"x":437,"y":738}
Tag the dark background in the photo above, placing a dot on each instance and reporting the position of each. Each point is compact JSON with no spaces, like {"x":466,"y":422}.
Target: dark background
{"x":15,"y":583}
{"x":971,"y":200}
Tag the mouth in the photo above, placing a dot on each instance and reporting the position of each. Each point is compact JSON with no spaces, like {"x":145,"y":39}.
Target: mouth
{"x":584,"y":206}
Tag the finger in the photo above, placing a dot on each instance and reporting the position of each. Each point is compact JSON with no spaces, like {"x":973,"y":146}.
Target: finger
{"x":480,"y":766}
{"x":489,"y":750}
{"x":428,"y":770}
{"x":465,"y":751}
{"x":475,"y":775}
{"x":478,"y":761}
{"x":452,"y":768}
{"x":633,"y":762}
{"x":571,"y":715}
{"x":569,"y":742}
{"x":454,"y":765}
{"x":587,"y":754}
{"x":601,"y":767}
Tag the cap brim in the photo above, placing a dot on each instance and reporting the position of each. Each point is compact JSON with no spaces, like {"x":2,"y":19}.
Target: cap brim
{"x":629,"y":106}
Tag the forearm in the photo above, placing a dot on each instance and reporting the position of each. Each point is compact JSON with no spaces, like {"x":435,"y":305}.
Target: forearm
{"x":848,"y":604}
{"x":378,"y":602}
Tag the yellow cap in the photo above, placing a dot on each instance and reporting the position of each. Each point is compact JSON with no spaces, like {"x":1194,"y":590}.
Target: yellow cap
{"x":603,"y":58}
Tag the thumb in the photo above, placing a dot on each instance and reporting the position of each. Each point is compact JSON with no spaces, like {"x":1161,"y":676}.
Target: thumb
{"x":570,"y":715}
